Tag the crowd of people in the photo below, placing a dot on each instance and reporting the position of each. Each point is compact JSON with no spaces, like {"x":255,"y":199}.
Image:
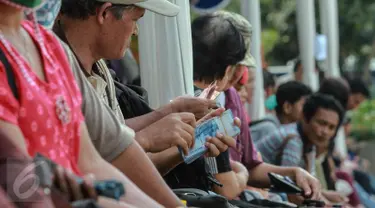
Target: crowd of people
{"x":60,"y":98}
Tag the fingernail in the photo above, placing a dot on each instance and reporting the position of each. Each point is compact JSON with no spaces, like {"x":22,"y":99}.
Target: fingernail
{"x":220,"y":135}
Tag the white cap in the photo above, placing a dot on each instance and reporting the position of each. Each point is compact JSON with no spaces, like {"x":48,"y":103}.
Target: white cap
{"x":163,"y":7}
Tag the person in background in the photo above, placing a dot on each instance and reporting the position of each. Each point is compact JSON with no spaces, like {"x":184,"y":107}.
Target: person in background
{"x":288,"y":110}
{"x":359,"y":92}
{"x":296,"y":144}
{"x":322,"y":114}
{"x":269,"y":86}
{"x":297,"y":73}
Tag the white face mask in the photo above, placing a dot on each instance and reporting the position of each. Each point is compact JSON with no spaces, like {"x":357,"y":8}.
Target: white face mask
{"x":47,"y":13}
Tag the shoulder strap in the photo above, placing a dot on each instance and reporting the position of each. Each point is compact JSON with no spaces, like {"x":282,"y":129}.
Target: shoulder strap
{"x":10,"y":74}
{"x":253,"y":123}
{"x":286,"y":139}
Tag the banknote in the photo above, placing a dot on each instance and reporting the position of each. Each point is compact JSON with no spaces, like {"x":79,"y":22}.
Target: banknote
{"x":223,"y":124}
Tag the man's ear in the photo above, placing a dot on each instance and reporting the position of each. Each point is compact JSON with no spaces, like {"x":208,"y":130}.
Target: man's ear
{"x":236,"y":74}
{"x":102,"y":12}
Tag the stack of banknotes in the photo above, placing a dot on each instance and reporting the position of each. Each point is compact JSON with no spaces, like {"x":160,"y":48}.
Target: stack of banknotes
{"x":222,"y":124}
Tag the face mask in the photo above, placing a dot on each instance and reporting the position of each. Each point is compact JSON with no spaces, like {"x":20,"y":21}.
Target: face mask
{"x":271,"y":102}
{"x":47,"y":13}
{"x":27,"y":3}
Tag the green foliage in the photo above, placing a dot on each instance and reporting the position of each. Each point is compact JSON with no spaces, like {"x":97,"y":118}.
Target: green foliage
{"x":279,"y":28}
{"x":363,"y":121}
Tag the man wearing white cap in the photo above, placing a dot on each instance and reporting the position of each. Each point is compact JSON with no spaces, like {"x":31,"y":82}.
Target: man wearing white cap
{"x":96,"y":29}
{"x":104,"y":30}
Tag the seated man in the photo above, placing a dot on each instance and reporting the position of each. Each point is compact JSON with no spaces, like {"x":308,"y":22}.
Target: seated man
{"x":288,"y":109}
{"x":296,"y":144}
{"x":288,"y":145}
{"x":210,"y":64}
{"x":232,"y":175}
{"x":106,"y":129}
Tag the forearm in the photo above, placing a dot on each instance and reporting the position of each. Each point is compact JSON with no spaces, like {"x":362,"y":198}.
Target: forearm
{"x":242,"y":174}
{"x":231,"y":185}
{"x":144,"y":174}
{"x":167,"y":160}
{"x":259,"y":178}
{"x":141,"y":122}
{"x":234,"y":182}
{"x":106,"y":202}
{"x":133,"y":195}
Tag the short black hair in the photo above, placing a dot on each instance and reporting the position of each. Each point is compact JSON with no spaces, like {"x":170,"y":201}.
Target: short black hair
{"x":217,"y":44}
{"x":357,"y":85}
{"x":83,"y":9}
{"x":298,"y":62}
{"x":336,"y":87}
{"x":290,"y":92}
{"x":268,"y":79}
{"x":318,"y":100}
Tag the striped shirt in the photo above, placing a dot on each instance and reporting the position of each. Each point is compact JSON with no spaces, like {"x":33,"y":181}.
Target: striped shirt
{"x":271,"y":148}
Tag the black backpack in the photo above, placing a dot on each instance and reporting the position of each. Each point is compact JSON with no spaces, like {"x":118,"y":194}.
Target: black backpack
{"x":132,"y":100}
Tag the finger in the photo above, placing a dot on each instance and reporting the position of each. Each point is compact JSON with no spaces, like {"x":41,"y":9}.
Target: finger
{"x":229,"y":141}
{"x":88,"y":185}
{"x":315,"y":186}
{"x":218,"y":144}
{"x":183,"y":145}
{"x":60,"y":180}
{"x":187,"y":136}
{"x":212,"y":114}
{"x":188,"y":118}
{"x":211,"y":104}
{"x":306,"y":188}
{"x":237,"y":122}
{"x":189,"y":129}
{"x":213,"y":151}
{"x":74,"y":187}
{"x":211,"y":92}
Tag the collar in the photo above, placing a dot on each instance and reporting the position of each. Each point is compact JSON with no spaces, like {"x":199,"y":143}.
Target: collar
{"x":58,"y":30}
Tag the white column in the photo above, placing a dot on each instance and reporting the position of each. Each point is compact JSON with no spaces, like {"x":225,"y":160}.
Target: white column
{"x":330,"y":28}
{"x":251,"y":10}
{"x":165,"y":50}
{"x":306,"y":36}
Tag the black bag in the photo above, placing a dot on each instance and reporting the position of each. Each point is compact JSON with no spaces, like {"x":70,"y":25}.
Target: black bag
{"x":10,"y":74}
{"x":132,"y":99}
{"x":195,"y":175}
{"x":202,"y":199}
{"x":256,"y":202}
